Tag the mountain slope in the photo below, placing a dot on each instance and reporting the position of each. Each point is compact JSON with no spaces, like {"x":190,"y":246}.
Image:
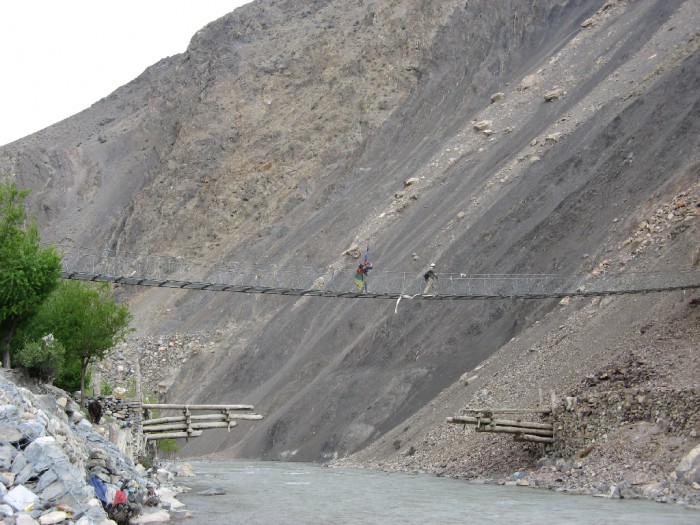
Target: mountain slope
{"x":284,"y":136}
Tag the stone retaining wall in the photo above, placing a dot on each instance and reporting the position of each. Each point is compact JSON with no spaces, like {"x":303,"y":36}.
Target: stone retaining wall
{"x":581,"y":421}
{"x":124,"y":410}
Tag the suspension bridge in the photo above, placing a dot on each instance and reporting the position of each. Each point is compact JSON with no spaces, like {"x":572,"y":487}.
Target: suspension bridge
{"x":175,"y":272}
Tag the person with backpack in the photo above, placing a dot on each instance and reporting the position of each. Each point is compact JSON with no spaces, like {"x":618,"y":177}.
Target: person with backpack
{"x":431,"y":281}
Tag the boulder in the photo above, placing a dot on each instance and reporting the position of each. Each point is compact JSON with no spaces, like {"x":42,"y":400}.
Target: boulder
{"x":159,"y":516}
{"x":482,"y":125}
{"x":19,"y":463}
{"x":554,"y":94}
{"x":7,"y":453}
{"x":7,"y":479}
{"x":530,"y":81}
{"x":688,"y":470}
{"x":20,"y":497}
{"x":54,"y":491}
{"x":185,"y":470}
{"x":9,"y":434}
{"x":614,"y":493}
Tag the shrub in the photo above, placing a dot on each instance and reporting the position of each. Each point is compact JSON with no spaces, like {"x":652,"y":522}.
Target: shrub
{"x":169,"y":446}
{"x":42,"y":359}
{"x":105,"y":388}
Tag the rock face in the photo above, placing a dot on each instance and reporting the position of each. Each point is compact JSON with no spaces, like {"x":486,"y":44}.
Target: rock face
{"x":285,"y":135}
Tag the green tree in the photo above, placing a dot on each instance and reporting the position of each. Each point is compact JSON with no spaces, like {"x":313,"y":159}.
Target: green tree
{"x":85,"y":319}
{"x":28,"y":272}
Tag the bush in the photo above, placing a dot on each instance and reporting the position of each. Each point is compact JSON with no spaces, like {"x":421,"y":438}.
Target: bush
{"x":131,"y":388}
{"x":105,"y":388}
{"x":169,"y":446}
{"x":42,"y":359}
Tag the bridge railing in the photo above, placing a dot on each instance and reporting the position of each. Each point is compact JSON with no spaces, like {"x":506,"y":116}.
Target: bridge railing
{"x":334,"y":281}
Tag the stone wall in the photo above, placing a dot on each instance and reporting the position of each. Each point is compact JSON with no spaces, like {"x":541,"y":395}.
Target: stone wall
{"x":125,"y":430}
{"x":581,"y":421}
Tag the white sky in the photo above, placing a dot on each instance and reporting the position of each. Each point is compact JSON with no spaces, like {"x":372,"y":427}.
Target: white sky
{"x":61,"y":56}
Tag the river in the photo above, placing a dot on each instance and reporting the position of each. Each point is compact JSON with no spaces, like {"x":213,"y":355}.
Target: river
{"x":272,"y":493}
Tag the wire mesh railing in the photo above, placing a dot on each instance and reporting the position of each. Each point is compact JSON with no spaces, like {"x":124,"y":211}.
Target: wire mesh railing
{"x":176,"y":272}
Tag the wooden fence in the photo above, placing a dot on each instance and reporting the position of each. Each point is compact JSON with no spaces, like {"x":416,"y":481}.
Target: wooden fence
{"x":188,"y":425}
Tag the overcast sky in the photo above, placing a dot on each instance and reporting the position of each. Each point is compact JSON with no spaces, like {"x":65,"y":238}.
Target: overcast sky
{"x":61,"y":56}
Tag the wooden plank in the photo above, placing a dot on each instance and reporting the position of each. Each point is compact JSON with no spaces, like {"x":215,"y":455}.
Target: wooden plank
{"x":173,"y":435}
{"x":162,"y":406}
{"x":514,"y":430}
{"x":184,"y":426}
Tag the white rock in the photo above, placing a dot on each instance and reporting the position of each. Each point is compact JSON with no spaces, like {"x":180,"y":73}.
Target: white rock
{"x":84,"y":423}
{"x":554,"y":94}
{"x":25,"y":519}
{"x":159,"y":516}
{"x":20,"y":497}
{"x":164,"y":475}
{"x":185,"y":470}
{"x":57,"y":516}
{"x":482,"y":125}
{"x":688,"y":470}
{"x":530,"y":81}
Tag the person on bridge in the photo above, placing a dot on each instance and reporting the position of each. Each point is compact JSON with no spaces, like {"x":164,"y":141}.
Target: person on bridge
{"x":361,"y":276}
{"x":431,"y":281}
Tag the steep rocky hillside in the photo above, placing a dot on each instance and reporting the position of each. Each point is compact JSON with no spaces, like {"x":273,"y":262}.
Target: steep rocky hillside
{"x":543,"y":137}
